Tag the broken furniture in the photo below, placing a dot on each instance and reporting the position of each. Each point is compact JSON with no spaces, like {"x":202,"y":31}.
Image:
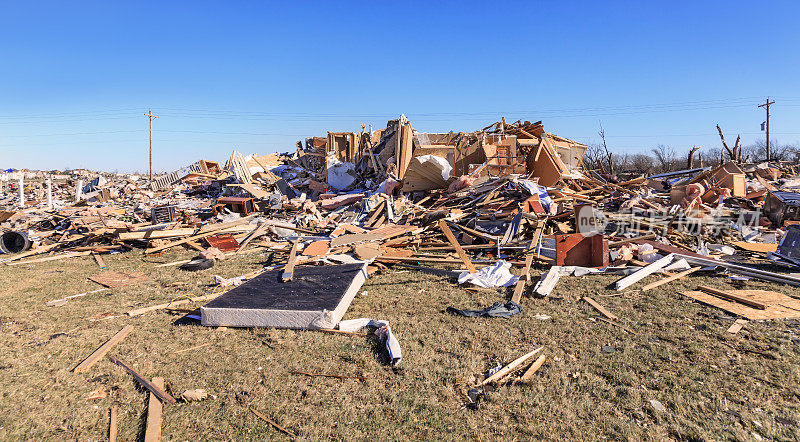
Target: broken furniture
{"x":240,"y":205}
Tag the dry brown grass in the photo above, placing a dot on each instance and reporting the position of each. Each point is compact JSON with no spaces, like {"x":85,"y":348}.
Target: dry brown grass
{"x":714,"y":385}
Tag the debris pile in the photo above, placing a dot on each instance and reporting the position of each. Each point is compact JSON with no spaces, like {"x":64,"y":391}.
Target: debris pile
{"x":508,"y":195}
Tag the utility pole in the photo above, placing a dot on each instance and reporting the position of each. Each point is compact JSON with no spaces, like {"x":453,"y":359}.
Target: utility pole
{"x":150,"y":116}
{"x":769,"y":148}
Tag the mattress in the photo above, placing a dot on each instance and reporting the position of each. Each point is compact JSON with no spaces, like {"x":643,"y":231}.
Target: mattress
{"x":317,"y":297}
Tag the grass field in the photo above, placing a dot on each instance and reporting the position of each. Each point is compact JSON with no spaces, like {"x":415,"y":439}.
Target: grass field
{"x":713,"y":385}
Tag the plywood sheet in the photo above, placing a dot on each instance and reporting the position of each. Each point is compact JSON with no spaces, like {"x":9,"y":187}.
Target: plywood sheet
{"x":779,"y":306}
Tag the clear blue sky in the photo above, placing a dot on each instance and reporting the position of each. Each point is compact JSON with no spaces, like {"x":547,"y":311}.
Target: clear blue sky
{"x":76,"y":77}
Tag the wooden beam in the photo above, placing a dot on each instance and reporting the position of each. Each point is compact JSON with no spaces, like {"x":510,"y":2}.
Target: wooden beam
{"x":143,"y":310}
{"x":288,"y":271}
{"x":453,"y":242}
{"x":256,"y":233}
{"x":105,"y":348}
{"x":158,"y":391}
{"x":508,"y":369}
{"x":661,"y":282}
{"x":640,"y":274}
{"x":533,"y":368}
{"x":600,"y":308}
{"x":112,"y":424}
{"x":99,"y":259}
{"x":152,"y":432}
{"x":732,"y":297}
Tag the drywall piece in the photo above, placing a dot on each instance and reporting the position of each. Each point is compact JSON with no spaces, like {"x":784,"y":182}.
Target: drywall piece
{"x":640,"y":274}
{"x":548,"y":281}
{"x":316,"y":297}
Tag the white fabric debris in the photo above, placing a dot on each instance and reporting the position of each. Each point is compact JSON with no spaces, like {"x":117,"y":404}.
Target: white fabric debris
{"x":340,"y":174}
{"x":495,"y":275}
{"x":382,"y":331}
{"x":440,"y":163}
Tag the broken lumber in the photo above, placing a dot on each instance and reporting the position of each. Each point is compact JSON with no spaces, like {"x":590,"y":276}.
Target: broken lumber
{"x":661,"y":282}
{"x":288,"y":271}
{"x":737,"y":326}
{"x":271,"y":422}
{"x":112,"y":424}
{"x":508,"y":369}
{"x":105,"y":348}
{"x":158,"y":391}
{"x":143,"y":310}
{"x":732,"y":297}
{"x":600,"y":308}
{"x":152,"y":432}
{"x":453,"y":242}
{"x":533,"y":369}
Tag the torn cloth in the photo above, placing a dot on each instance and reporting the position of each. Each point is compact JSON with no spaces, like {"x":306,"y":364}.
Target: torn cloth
{"x":495,"y":275}
{"x":383,"y":331}
{"x":497,"y":310}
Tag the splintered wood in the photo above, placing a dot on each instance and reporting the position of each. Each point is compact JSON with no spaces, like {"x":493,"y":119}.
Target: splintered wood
{"x":453,"y":242}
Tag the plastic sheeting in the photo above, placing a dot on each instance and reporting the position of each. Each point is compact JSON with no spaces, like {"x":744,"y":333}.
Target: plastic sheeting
{"x":495,"y":275}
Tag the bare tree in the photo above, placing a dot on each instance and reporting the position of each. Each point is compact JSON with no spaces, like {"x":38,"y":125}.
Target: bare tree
{"x":641,"y":163}
{"x":665,"y":157}
{"x":609,"y":156}
{"x":690,"y":160}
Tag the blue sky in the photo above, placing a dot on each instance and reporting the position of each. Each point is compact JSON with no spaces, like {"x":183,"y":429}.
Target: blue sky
{"x":76,"y":77}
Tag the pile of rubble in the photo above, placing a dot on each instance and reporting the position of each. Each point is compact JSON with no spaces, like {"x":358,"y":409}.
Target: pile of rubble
{"x":508,"y":195}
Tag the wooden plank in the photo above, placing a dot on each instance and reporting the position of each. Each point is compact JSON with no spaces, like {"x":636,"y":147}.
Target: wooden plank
{"x":453,"y":242}
{"x":256,"y":233}
{"x":508,"y":369}
{"x":600,"y":308}
{"x":158,"y":391}
{"x":205,"y":232}
{"x":737,"y":326}
{"x":288,"y":271}
{"x":661,"y":282}
{"x":152,"y":432}
{"x":533,"y":368}
{"x":105,"y":348}
{"x":756,"y":246}
{"x":156,"y":234}
{"x":526,"y":273}
{"x":732,"y":297}
{"x":99,"y":260}
{"x":143,"y":310}
{"x":112,"y":424}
